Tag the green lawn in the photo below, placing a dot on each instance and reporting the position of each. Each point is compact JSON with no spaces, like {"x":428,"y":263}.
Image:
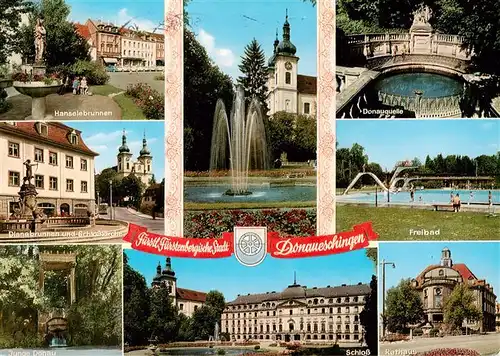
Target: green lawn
{"x":130,"y":111}
{"x":395,"y":223}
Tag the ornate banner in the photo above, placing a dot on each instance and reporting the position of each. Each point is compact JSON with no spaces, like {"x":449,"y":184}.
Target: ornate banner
{"x":276,"y":246}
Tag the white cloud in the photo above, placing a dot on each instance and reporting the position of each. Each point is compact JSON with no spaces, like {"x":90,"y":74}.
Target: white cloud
{"x":224,"y":57}
{"x":105,"y":137}
{"x":98,"y":148}
{"x":142,"y":24}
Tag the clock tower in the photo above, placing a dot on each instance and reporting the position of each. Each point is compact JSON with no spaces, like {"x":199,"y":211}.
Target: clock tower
{"x":166,"y":279}
{"x":124,"y":158}
{"x":283,"y":72}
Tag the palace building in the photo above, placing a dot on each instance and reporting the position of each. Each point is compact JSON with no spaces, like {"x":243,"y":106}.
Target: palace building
{"x":287,"y":89}
{"x":436,"y":283}
{"x":298,"y":313}
{"x":63,"y":171}
{"x":186,"y":300}
{"x":142,"y":167}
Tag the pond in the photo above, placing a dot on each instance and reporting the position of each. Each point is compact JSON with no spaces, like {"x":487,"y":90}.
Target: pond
{"x":260,"y":193}
{"x":432,"y":85}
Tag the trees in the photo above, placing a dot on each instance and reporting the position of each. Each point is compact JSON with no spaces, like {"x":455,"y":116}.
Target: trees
{"x":10,"y":18}
{"x":64,"y":45}
{"x":254,"y":79}
{"x":130,"y":189}
{"x":460,"y":306}
{"x":163,"y":322}
{"x":292,"y":134}
{"x":136,"y":306}
{"x":203,"y":321}
{"x":403,"y":307}
{"x":204,"y":83}
{"x":368,"y":317}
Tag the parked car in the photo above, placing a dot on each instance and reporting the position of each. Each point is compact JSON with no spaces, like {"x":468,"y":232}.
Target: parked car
{"x":111,"y":68}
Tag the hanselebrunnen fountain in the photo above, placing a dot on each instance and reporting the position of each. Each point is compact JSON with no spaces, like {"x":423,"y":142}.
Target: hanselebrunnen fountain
{"x":421,"y":74}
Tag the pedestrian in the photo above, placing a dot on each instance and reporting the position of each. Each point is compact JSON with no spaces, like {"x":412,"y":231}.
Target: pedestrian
{"x":84,"y":86}
{"x":76,"y":86}
{"x":456,"y":203}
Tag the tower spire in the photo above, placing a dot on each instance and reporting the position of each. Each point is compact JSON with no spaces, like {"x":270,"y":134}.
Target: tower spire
{"x":124,"y":147}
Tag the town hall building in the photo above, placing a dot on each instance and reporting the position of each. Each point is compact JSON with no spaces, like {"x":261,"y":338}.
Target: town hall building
{"x":186,"y":300}
{"x":287,"y":89}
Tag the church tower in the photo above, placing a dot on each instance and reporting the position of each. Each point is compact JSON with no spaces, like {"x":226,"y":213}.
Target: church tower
{"x":146,"y":161}
{"x":166,"y":279}
{"x":283,"y":71}
{"x":446,"y":260}
{"x":124,"y":163}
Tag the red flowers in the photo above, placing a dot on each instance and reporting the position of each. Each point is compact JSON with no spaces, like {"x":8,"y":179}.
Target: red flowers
{"x":449,"y":352}
{"x":211,"y":224}
{"x":151,"y":102}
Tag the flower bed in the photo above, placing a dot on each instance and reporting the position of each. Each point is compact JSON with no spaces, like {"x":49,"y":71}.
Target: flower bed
{"x":53,"y":78}
{"x":396,"y":337}
{"x":449,"y":352}
{"x":150,"y":101}
{"x":195,"y":344}
{"x":211,"y":224}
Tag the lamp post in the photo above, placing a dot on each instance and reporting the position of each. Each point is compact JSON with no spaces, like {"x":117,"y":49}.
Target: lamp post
{"x":376,"y":196}
{"x":98,"y":204}
{"x":110,"y":199}
{"x":383,"y":264}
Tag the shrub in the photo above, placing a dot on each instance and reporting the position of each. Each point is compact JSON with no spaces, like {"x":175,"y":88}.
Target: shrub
{"x":273,"y":345}
{"x":221,"y":352}
{"x":160,"y":77}
{"x":396,"y":337}
{"x":94,"y":72}
{"x":256,"y":347}
{"x":449,"y":352}
{"x":433,"y":332}
{"x":418,"y":332}
{"x":150,"y":101}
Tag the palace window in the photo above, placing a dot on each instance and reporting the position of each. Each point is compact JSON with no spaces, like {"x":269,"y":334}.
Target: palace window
{"x":288,"y":78}
{"x":280,"y":328}
{"x":308,"y":327}
{"x":339,"y":310}
{"x":315,"y":328}
{"x":181,"y":306}
{"x":267,"y":328}
{"x":83,"y":164}
{"x":69,"y":162}
{"x":84,"y":188}
{"x":69,"y":185}
{"x":38,"y":155}
{"x":42,"y":128}
{"x":14,"y":179}
{"x":291,"y":311}
{"x":13,"y":149}
{"x":53,"y":183}
{"x":290,"y":326}
{"x":39,"y":181}
{"x":347,"y":299}
{"x":53,"y":158}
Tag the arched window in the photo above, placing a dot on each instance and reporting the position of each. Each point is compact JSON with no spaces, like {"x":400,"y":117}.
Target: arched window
{"x":288,"y":78}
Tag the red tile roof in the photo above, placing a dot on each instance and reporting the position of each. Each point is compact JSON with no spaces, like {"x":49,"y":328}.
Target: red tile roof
{"x":58,"y":135}
{"x":461,"y":268}
{"x":192,"y":295}
{"x":306,"y":84}
{"x":82,"y":30}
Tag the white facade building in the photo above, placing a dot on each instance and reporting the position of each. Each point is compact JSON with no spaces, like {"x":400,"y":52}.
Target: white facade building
{"x":186,"y":300}
{"x":287,"y":89}
{"x":298,"y":313}
{"x":138,"y":49}
{"x":64,"y":170}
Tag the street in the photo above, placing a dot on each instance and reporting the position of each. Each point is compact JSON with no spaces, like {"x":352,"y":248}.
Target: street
{"x":124,"y":214}
{"x":488,"y":344}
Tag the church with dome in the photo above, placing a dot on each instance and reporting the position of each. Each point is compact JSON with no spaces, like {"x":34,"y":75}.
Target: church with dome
{"x":287,"y":89}
{"x":298,"y":313}
{"x":142,"y":167}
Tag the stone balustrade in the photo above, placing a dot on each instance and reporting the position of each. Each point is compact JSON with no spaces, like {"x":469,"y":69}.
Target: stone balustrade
{"x":440,"y":107}
{"x":27,"y":225}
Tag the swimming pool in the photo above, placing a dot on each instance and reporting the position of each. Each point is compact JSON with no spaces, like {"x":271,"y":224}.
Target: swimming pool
{"x":426,"y":196}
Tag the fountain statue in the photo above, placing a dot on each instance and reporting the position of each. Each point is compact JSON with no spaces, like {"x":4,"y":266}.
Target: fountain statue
{"x":36,"y":84}
{"x":216,"y":332}
{"x":243,"y":137}
{"x":27,"y":204}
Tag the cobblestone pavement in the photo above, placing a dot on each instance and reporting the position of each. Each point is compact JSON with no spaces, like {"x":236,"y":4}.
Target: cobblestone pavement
{"x":95,"y":107}
{"x":123,"y":79}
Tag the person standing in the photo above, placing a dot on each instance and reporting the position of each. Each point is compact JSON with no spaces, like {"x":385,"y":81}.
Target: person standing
{"x":456,"y":203}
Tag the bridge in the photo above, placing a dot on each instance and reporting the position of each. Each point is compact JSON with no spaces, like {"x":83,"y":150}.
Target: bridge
{"x":374,"y":55}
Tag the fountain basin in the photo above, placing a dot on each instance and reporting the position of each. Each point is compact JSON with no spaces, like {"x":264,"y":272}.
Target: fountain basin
{"x":37,"y":89}
{"x":5,"y":83}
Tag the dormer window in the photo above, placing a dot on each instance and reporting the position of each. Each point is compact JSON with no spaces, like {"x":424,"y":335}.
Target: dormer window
{"x":42,"y":129}
{"x":73,"y":138}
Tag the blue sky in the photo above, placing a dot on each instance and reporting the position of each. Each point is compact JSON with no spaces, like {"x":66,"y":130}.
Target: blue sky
{"x":231,"y":278}
{"x":389,"y":141}
{"x":105,"y":138}
{"x":482,"y":258}
{"x":146,"y":14}
{"x":226,"y":27}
